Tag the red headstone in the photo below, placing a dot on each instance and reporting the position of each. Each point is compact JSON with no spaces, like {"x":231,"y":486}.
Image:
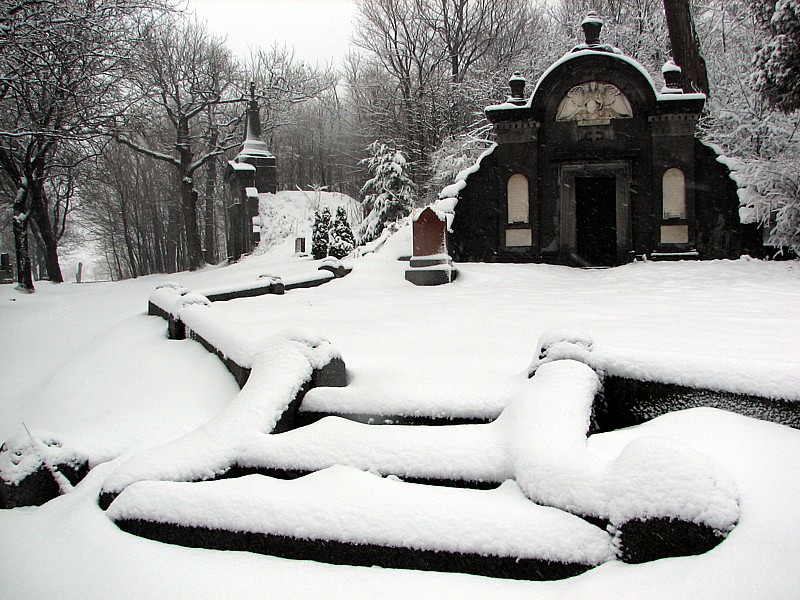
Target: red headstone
{"x":430,"y":235}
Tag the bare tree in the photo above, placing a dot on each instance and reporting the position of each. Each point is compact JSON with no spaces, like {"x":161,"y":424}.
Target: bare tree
{"x":61,"y":64}
{"x":126,"y":211}
{"x":184,"y":70}
{"x":399,"y":40}
{"x":470,"y":30}
{"x":442,"y":58}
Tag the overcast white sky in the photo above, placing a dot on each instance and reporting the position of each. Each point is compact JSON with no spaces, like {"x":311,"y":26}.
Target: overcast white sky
{"x":319,"y":30}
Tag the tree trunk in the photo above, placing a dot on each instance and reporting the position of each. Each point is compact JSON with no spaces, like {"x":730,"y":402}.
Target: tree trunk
{"x":211,"y":192}
{"x":20,"y":225}
{"x":194,"y":248}
{"x":158,"y":248}
{"x":39,"y":214}
{"x":173,"y":240}
{"x":126,"y":238}
{"x":686,"y":45}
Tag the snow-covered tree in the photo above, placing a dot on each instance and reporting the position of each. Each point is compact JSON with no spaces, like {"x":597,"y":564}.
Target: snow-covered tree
{"x":320,"y":236}
{"x":342,"y":240}
{"x":778,"y":59}
{"x":62,"y":66}
{"x":389,"y":194}
{"x":738,"y":119}
{"x":183,"y":71}
{"x":772,"y":195}
{"x":744,"y":123}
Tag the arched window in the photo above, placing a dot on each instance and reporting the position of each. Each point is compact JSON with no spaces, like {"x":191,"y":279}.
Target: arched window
{"x":673,"y":187}
{"x":518,"y":199}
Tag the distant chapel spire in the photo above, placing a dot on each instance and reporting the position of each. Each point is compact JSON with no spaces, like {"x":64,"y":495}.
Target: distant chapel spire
{"x":253,"y":143}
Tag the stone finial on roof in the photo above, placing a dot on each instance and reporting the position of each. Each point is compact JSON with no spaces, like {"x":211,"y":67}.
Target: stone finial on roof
{"x":517,"y":84}
{"x":673,"y":78}
{"x":592,"y":25}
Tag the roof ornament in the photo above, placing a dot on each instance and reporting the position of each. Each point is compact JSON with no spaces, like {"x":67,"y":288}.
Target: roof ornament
{"x":592,"y":25}
{"x":673,"y":78}
{"x":253,"y":145}
{"x":517,"y":84}
{"x":253,"y":119}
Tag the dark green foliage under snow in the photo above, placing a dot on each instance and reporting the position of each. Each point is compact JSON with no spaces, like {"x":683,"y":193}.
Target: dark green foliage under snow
{"x":331,"y":238}
{"x":342,"y":240}
{"x":778,"y":59}
{"x":389,"y":194}
{"x":320,"y":233}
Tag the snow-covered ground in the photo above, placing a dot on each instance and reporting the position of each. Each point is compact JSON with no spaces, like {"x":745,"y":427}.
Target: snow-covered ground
{"x":86,"y":362}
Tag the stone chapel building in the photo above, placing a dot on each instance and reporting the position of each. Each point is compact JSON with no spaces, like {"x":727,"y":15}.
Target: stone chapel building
{"x":597,"y":167}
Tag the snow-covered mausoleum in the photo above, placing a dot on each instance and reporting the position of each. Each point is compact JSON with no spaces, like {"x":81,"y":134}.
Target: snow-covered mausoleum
{"x":252,"y":172}
{"x":595,"y":168}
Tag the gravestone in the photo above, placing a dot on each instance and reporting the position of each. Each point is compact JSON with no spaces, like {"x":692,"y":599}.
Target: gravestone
{"x":430,"y":262}
{"x":430,"y":235}
{"x":6,"y":273}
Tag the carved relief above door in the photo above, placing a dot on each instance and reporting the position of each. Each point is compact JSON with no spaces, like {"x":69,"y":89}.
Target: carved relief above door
{"x":594,"y":103}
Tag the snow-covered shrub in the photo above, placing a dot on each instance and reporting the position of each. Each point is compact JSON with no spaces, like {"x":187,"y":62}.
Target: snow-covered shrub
{"x":342,"y":240}
{"x":772,"y":198}
{"x":276,"y":224}
{"x":321,"y":233}
{"x":388,"y":195}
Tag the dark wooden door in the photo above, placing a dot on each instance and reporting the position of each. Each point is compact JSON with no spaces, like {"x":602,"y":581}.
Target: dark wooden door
{"x":596,"y":220}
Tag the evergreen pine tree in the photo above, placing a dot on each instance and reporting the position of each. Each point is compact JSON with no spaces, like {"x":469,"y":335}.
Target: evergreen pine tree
{"x":342,"y":239}
{"x":320,"y":234}
{"x":388,"y":195}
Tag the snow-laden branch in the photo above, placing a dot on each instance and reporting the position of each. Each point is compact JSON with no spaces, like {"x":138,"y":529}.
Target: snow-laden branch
{"x":147,"y":151}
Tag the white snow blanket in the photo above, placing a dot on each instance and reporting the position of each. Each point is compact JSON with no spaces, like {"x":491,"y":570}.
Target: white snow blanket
{"x":91,"y":366}
{"x":347,"y":505}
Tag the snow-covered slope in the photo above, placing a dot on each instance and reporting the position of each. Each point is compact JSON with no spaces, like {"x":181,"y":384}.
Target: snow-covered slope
{"x":288,"y":214}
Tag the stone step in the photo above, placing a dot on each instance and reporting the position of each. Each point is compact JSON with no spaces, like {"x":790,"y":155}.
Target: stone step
{"x":344,"y":516}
